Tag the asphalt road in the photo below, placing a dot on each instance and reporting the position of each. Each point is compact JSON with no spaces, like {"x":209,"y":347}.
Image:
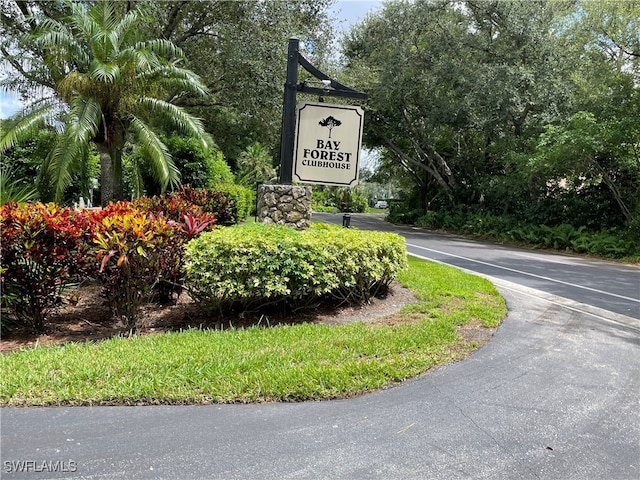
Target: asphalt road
{"x":553,"y":395}
{"x":611,"y":286}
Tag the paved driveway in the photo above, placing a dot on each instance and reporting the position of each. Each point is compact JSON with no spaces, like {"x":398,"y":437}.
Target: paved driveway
{"x":554,"y":395}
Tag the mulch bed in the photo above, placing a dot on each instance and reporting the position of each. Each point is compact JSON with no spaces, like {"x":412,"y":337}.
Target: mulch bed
{"x":91,"y":318}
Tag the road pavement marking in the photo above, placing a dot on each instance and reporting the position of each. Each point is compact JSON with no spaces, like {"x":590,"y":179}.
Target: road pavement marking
{"x":600,"y":313}
{"x":527,"y":273}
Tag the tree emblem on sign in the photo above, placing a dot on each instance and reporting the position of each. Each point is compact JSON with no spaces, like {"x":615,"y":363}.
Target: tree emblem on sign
{"x":330,"y":122}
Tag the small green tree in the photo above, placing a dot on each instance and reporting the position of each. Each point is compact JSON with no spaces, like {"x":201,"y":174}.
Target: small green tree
{"x":255,"y":166}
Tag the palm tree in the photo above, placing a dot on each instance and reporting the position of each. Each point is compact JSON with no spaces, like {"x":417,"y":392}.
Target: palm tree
{"x":113,"y":88}
{"x":255,"y":166}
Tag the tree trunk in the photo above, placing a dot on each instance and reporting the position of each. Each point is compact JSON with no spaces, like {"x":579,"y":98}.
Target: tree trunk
{"x":116,"y":162}
{"x":111,"y":187}
{"x":106,"y":176}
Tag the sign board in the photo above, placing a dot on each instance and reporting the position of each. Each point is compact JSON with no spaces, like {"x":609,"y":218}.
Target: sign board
{"x":328,"y":141}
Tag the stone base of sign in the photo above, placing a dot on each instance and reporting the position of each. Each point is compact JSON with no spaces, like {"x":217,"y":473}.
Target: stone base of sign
{"x":285,"y":205}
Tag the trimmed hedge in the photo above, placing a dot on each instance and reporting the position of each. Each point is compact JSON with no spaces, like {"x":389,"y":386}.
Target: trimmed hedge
{"x":255,"y":264}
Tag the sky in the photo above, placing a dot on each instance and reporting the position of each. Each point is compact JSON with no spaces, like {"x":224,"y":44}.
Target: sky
{"x":348,"y":12}
{"x":9,"y":104}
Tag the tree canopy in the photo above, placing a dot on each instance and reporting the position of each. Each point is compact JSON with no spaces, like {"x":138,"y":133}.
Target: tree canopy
{"x":109,"y":86}
{"x":234,"y":51}
{"x":483,"y":103}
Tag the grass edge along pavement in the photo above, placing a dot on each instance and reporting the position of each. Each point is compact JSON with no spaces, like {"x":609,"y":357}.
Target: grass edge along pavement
{"x":285,"y":363}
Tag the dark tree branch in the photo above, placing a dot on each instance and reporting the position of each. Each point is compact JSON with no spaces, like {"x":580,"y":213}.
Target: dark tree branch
{"x":174,"y":18}
{"x":24,"y":8}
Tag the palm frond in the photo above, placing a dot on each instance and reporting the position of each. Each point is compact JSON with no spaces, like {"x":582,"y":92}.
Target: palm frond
{"x":178,"y":117}
{"x":54,"y":35}
{"x":104,"y":72}
{"x":156,"y":153}
{"x":80,"y":19}
{"x":81,"y":126}
{"x":27,"y":123}
{"x":59,"y":38}
{"x":162,"y":47}
{"x":142,"y":60}
{"x":180,"y":78}
{"x":120,"y":32}
{"x":137,"y":182}
{"x":103,"y":14}
{"x":60,"y":162}
{"x":85,"y":118}
{"x":10,"y":190}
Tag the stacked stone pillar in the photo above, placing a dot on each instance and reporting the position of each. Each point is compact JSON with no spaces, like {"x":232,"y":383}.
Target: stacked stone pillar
{"x":285,"y":205}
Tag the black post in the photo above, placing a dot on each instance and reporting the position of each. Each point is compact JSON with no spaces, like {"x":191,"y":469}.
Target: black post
{"x":289,"y":114}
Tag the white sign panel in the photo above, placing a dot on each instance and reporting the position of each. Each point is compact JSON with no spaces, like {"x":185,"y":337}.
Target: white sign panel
{"x":328,"y":141}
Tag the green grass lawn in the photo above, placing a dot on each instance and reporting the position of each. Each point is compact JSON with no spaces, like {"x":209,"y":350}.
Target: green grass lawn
{"x":284,"y":363}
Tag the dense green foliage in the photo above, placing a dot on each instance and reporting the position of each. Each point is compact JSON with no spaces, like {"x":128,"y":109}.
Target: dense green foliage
{"x":137,"y":50}
{"x":286,"y":363}
{"x":110,"y":87}
{"x":503,"y":228}
{"x":251,"y":265}
{"x":513,"y":108}
{"x":200,"y":166}
{"x":340,"y":199}
{"x":255,"y":165}
{"x":242,"y":202}
{"x":522,"y":109}
{"x":12,"y":190}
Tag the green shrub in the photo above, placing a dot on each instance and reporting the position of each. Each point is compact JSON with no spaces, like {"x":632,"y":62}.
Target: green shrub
{"x":322,"y":197}
{"x":199,"y":166}
{"x":507,"y":228}
{"x":241,"y":199}
{"x":325,"y":209}
{"x":341,"y":198}
{"x":254,"y":264}
{"x":353,"y":202}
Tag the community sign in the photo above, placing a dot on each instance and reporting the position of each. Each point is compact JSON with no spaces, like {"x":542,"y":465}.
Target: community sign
{"x":328,"y":141}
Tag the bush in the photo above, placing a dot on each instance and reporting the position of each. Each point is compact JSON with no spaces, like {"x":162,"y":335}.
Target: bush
{"x":254,"y":264}
{"x":228,"y":203}
{"x":192,"y":219}
{"x":44,"y":251}
{"x":134,"y":251}
{"x":343,"y":199}
{"x":242,"y":202}
{"x":325,"y":209}
{"x":220,"y":172}
{"x":199,"y":166}
{"x":353,"y":202}
{"x":612,"y":244}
